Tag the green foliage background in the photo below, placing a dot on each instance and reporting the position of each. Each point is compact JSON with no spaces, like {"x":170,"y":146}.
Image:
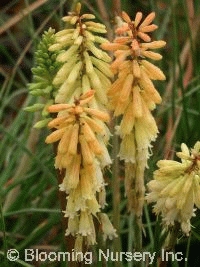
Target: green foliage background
{"x":30,"y":214}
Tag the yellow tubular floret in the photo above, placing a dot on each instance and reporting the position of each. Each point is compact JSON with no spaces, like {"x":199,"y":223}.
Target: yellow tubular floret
{"x":63,"y":145}
{"x":137,"y":102}
{"x":87,"y":132}
{"x":152,"y":71}
{"x":73,"y":141}
{"x":55,"y":136}
{"x":87,"y":154}
{"x":98,"y":114}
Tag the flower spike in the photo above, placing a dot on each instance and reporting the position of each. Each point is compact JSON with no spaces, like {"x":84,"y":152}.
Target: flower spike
{"x":84,"y":64}
{"x":133,"y":96}
{"x":175,"y":189}
{"x":81,"y":82}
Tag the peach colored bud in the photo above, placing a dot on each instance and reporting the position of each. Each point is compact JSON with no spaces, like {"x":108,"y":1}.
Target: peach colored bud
{"x":55,"y":136}
{"x":126,"y":17}
{"x":151,"y":55}
{"x":136,"y":69}
{"x":63,"y":161}
{"x":147,"y":85}
{"x":95,"y":147}
{"x":147,"y":20}
{"x":87,"y":96}
{"x":87,"y":154}
{"x":152,"y":71}
{"x":55,"y":122}
{"x":149,"y":28}
{"x":120,"y":57}
{"x":73,"y":141}
{"x":122,"y":39}
{"x":124,"y":28}
{"x":115,"y":87}
{"x":94,"y":125}
{"x":138,"y":18}
{"x":86,"y":131}
{"x":137,"y":103}
{"x":148,"y":101}
{"x":58,"y":107}
{"x":124,"y":71}
{"x":97,"y":113}
{"x":113,"y":46}
{"x":153,"y":45}
{"x":119,"y":106}
{"x":126,"y":89}
{"x":126,"y":65}
{"x":64,"y":141}
{"x":128,"y":121}
{"x":145,"y":37}
{"x":71,"y":178}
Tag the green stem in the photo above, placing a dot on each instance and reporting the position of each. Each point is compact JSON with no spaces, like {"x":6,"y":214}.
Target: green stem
{"x":138,"y":233}
{"x":137,"y":225}
{"x":171,"y":239}
{"x":3,"y":229}
{"x":170,"y":242}
{"x":134,"y":186}
{"x":131,"y":236}
{"x":116,"y":193}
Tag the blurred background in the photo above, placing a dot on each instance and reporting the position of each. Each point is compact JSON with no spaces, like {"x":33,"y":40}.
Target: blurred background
{"x":30,"y":213}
